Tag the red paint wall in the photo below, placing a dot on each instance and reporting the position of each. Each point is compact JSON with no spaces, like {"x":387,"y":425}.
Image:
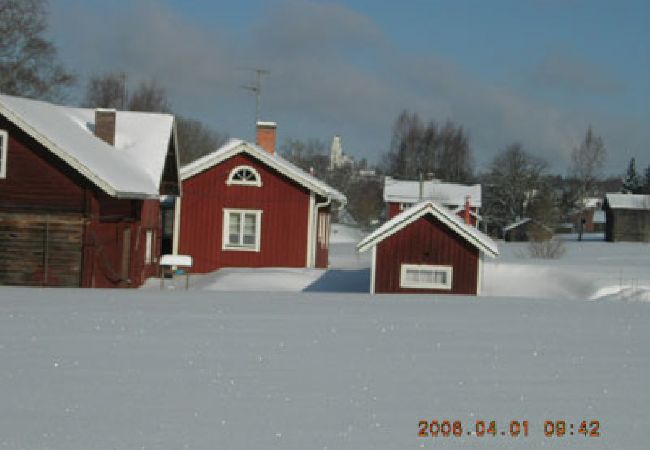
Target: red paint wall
{"x":38,"y":181}
{"x":426,"y":241}
{"x":285,"y":208}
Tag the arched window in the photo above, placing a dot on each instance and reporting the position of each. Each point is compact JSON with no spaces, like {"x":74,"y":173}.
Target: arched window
{"x":244,"y":175}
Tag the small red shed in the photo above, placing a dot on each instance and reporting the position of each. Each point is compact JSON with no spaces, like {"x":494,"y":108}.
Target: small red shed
{"x":245,"y":206}
{"x":427,"y":249}
{"x":80,"y":193}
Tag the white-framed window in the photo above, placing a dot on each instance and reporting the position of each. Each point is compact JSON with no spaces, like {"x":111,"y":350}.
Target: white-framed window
{"x":148,"y":247}
{"x":403,"y":206}
{"x":244,"y":175}
{"x":4,"y":141}
{"x":419,"y":276}
{"x":242,"y":229}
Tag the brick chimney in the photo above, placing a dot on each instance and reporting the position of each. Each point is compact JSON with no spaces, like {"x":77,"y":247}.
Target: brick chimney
{"x":105,"y":125}
{"x":466,"y":212}
{"x":265,"y":135}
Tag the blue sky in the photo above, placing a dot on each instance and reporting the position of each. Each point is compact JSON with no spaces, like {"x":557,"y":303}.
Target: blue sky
{"x":534,"y":71}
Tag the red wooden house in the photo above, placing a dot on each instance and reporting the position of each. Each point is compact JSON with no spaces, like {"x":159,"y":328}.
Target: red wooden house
{"x":402,"y":194}
{"x":80,"y":193}
{"x":427,"y":249}
{"x":245,"y":206}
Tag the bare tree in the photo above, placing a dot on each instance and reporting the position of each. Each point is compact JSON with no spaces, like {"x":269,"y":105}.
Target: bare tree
{"x":196,"y":139}
{"x":109,"y":90}
{"x":586,"y":163}
{"x":28,"y":61}
{"x":422,"y":148}
{"x":310,"y":155}
{"x":106,"y":91}
{"x":514,"y":180}
{"x":149,"y":96}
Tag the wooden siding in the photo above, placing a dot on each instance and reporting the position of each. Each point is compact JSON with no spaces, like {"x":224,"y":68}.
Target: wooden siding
{"x":285,"y":207}
{"x":36,"y":179}
{"x":627,"y":225}
{"x":426,"y":241}
{"x":40,"y":185}
{"x":40,"y":249}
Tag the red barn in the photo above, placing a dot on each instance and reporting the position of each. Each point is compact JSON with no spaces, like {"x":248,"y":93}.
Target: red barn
{"x":427,"y":249}
{"x":402,"y":194}
{"x":245,"y":206}
{"x":80,"y":194}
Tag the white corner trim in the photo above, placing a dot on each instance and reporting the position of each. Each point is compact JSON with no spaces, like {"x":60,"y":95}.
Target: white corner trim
{"x":258,"y":230}
{"x":311,"y":219}
{"x":177,"y":225}
{"x":373,"y":269}
{"x":479,"y":281}
{"x":257,"y":182}
{"x":4,"y":153}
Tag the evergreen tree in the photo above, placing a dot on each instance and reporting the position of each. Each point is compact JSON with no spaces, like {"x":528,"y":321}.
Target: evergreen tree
{"x":632,"y":181}
{"x":646,"y":183}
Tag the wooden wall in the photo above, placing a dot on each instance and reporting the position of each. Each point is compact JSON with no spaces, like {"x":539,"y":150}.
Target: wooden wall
{"x":426,"y":241}
{"x":285,"y":208}
{"x":631,"y":225}
{"x":42,"y":194}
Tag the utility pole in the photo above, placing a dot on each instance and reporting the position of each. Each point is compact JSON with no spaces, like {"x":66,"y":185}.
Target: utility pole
{"x":256,"y":88}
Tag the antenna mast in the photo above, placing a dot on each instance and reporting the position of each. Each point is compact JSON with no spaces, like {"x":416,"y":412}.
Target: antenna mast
{"x":256,"y":88}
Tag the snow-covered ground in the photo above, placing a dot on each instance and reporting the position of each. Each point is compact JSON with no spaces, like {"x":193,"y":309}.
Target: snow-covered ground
{"x":208,"y":368}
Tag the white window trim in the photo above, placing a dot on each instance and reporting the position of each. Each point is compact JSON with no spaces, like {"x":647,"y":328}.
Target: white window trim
{"x":148,"y":246}
{"x":3,"y":153}
{"x":226,"y":227}
{"x":406,"y":284}
{"x":258,"y":179}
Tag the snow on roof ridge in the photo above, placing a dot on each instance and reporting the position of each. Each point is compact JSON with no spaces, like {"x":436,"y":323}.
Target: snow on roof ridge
{"x":273,"y":160}
{"x":516,"y":223}
{"x":470,"y":233}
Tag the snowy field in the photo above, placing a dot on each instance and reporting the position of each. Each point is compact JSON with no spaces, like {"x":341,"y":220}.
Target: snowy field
{"x":269,"y":368}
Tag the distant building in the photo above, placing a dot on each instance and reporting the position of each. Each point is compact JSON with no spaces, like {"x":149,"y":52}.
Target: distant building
{"x":337,"y":158}
{"x":427,"y":249}
{"x":402,"y":194}
{"x":628,"y":217}
{"x":526,"y":229}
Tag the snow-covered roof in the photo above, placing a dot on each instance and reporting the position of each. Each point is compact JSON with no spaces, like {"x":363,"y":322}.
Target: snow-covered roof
{"x":516,"y":223}
{"x":628,"y":201}
{"x":133,"y":167}
{"x":448,"y":194}
{"x":444,"y":215}
{"x":275,"y":161}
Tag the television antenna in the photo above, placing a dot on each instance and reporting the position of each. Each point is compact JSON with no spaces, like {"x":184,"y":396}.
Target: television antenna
{"x":256,"y":88}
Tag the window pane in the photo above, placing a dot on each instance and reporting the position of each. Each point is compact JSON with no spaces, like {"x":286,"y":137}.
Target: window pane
{"x":441,"y":277}
{"x":249,"y":229}
{"x":233,"y":229}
